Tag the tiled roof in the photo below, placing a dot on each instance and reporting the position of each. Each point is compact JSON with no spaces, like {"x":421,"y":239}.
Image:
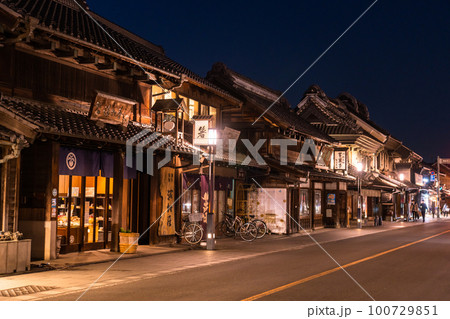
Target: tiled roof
{"x":278,"y":111}
{"x":335,"y":129}
{"x":55,"y":120}
{"x":305,"y":170}
{"x":282,"y":111}
{"x":66,"y":17}
{"x":315,"y":100}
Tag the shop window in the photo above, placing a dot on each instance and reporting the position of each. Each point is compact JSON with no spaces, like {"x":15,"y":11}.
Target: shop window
{"x":304,"y":203}
{"x":213,"y":112}
{"x":204,"y":110}
{"x":193,"y":108}
{"x":317,"y":202}
{"x":84,"y":209}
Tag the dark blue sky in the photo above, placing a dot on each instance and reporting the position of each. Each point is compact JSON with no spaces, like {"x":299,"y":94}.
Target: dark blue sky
{"x":396,"y":59}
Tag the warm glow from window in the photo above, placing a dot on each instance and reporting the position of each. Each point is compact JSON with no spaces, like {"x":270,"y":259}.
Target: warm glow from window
{"x":193,"y":107}
{"x":359,"y":167}
{"x":213,"y":112}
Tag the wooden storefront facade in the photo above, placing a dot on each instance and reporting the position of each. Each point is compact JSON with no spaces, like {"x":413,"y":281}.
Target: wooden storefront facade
{"x":58,"y":86}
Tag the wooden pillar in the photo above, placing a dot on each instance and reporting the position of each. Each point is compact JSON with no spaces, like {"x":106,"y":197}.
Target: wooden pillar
{"x":155,"y":206}
{"x":117,"y":200}
{"x":3,"y":173}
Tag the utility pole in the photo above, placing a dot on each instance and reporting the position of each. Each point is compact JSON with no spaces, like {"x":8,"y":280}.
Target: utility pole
{"x":210,"y":240}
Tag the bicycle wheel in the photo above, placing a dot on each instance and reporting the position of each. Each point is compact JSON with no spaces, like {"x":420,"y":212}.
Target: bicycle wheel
{"x":193,"y":233}
{"x":248,"y":232}
{"x":261,"y":227}
{"x":226,"y":229}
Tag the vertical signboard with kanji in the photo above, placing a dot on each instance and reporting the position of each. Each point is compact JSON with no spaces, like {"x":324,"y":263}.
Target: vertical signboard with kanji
{"x":201,"y":130}
{"x":167,"y":188}
{"x":340,"y":160}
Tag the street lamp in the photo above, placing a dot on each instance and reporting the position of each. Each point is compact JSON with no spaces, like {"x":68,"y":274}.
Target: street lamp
{"x":204,"y":135}
{"x":359,"y":168}
{"x":210,"y":227}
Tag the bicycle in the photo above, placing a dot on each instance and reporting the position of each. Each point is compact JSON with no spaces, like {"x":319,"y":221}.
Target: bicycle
{"x":232,"y":226}
{"x":190,"y":230}
{"x":261,"y":226}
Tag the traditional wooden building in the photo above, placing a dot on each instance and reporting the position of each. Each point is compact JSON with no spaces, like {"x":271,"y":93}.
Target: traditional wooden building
{"x":365,"y":144}
{"x":76,"y":89}
{"x":295,"y":187}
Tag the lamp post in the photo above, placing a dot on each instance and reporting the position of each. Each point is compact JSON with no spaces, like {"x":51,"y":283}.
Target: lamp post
{"x":210,"y":222}
{"x":204,"y":135}
{"x":359,"y":168}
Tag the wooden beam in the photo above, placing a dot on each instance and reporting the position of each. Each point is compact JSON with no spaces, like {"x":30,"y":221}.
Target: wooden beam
{"x":65,"y":53}
{"x":17,"y":124}
{"x":43,"y":45}
{"x":105,"y":66}
{"x":86,"y":59}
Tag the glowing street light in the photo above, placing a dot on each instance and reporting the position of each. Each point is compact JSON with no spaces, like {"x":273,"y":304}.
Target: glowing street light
{"x":359,"y":167}
{"x":402,"y":177}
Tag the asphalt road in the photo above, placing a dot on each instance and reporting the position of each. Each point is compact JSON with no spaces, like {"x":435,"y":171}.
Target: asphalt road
{"x":411,"y":263}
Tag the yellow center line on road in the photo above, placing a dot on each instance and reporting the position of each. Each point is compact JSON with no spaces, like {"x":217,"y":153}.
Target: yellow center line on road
{"x":327,"y":272}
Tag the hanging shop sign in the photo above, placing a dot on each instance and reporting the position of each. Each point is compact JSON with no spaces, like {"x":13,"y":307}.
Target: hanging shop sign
{"x":201,"y":132}
{"x":111,"y":109}
{"x":340,"y":160}
{"x":78,"y":162}
{"x":167,"y":189}
{"x":418,"y":179}
{"x":444,"y":160}
{"x":326,"y":153}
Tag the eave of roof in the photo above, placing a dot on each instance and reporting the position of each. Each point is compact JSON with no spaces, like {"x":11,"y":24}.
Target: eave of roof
{"x":75,"y":26}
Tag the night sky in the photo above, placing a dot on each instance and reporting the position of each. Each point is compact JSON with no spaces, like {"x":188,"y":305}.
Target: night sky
{"x":396,"y":59}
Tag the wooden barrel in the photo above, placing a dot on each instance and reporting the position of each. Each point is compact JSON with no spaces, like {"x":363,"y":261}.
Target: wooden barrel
{"x":128,"y":242}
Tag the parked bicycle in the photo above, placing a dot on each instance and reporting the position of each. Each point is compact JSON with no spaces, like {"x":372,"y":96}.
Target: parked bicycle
{"x":190,"y":230}
{"x":236,"y":226}
{"x":260,"y":226}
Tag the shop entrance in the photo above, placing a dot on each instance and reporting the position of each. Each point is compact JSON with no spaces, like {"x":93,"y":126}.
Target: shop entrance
{"x":84,"y":212}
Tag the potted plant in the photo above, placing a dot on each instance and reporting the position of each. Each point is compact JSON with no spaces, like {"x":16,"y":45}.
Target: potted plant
{"x":15,"y":252}
{"x":128,"y":241}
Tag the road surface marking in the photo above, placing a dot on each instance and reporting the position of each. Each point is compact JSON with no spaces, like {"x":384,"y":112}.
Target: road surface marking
{"x":327,"y":272}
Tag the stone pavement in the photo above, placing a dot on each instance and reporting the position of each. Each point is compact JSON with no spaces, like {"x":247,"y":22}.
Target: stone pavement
{"x":98,"y":269}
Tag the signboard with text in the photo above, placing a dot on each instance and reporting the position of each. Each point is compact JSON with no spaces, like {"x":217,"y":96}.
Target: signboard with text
{"x":111,"y":109}
{"x":201,"y":132}
{"x":340,"y":160}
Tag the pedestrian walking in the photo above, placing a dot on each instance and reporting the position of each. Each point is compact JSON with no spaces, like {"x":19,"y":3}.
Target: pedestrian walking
{"x":415,"y":211}
{"x":445,"y":210}
{"x":423,"y":209}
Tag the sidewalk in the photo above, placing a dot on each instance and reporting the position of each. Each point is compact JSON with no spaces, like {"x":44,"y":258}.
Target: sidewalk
{"x":105,"y":255}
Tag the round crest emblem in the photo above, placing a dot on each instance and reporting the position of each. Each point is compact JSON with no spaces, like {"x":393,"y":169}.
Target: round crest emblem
{"x":71,"y":161}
